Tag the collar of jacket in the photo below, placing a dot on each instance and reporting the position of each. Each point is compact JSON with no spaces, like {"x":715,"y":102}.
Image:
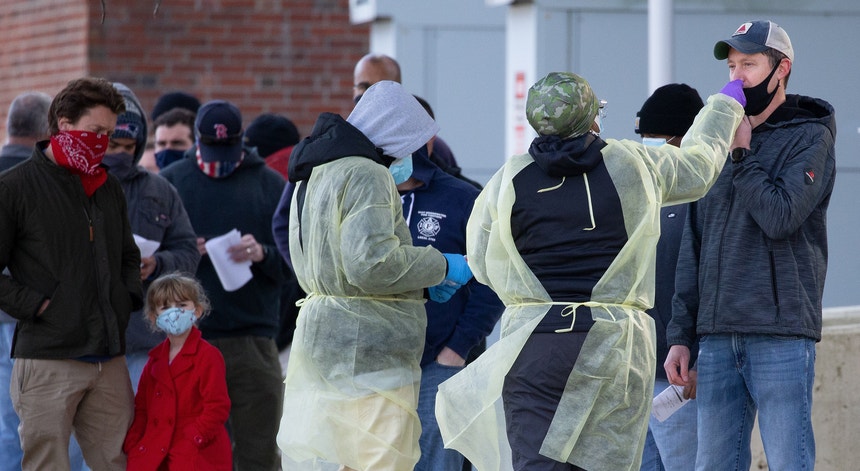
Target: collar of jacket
{"x":332,"y":138}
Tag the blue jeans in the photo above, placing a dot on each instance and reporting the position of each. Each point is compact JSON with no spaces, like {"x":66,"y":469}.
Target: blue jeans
{"x":136,"y":361}
{"x":671,"y":445}
{"x":741,"y":375}
{"x":10,"y":445}
{"x":76,"y":456}
{"x":434,"y":456}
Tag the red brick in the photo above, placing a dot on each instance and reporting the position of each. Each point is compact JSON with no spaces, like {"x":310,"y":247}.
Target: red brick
{"x":289,"y":56}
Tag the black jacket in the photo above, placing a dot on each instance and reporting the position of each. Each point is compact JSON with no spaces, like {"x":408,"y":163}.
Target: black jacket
{"x":332,"y":138}
{"x":244,"y":200}
{"x":567,"y":260}
{"x":76,"y":251}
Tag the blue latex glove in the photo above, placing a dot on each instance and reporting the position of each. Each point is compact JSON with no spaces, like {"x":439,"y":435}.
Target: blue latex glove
{"x":735,"y":89}
{"x":458,"y":269}
{"x":442,"y":292}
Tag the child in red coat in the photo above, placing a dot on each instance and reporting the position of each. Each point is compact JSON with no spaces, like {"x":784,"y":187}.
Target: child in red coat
{"x":181,"y":404}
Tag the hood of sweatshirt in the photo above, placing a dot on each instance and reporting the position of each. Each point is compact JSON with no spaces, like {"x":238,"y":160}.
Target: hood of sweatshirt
{"x":567,"y":157}
{"x":132,"y":105}
{"x":393,"y":119}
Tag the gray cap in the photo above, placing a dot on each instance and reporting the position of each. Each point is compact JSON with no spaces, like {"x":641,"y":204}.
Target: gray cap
{"x":756,"y":36}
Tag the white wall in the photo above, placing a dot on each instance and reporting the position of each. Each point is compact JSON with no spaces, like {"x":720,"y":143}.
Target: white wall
{"x":453,"y":53}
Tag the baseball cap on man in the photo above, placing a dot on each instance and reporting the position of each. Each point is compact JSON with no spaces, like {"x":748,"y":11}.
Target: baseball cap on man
{"x":219,"y":132}
{"x":756,"y":36}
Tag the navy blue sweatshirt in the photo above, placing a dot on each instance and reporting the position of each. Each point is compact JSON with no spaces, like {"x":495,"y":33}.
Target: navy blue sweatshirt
{"x":437,"y":213}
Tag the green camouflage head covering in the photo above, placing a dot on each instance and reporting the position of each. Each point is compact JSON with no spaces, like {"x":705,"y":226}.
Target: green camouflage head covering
{"x":561,"y":104}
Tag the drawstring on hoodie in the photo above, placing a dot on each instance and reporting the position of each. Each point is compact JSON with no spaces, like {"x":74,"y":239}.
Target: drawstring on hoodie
{"x":588,"y":194}
{"x":408,"y":214}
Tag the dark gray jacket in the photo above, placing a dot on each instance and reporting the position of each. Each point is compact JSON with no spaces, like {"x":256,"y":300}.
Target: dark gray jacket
{"x":155,"y":212}
{"x":754,"y":251}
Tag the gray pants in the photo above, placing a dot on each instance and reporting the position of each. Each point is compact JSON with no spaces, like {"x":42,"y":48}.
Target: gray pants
{"x":256,"y":388}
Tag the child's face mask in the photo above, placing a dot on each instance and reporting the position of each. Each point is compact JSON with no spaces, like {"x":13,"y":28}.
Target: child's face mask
{"x":175,"y":321}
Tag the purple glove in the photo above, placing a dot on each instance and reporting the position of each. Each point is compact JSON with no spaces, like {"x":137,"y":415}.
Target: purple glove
{"x":735,"y":89}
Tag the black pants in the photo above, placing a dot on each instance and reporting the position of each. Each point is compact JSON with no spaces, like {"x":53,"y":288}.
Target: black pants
{"x":531,"y":393}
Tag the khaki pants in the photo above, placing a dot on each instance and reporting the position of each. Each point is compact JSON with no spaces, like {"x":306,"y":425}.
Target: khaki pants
{"x":55,"y":397}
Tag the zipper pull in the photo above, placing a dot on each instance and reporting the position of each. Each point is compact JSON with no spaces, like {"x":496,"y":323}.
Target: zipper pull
{"x":91,"y":232}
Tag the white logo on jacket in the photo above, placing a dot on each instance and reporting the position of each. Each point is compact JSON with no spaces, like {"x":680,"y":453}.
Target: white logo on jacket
{"x":429,"y":225}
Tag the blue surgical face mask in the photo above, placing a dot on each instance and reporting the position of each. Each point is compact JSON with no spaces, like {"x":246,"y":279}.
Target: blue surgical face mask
{"x":401,"y":169}
{"x":175,"y":321}
{"x":653,"y":141}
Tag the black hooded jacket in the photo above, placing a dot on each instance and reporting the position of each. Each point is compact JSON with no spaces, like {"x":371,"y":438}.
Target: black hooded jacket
{"x":566,"y":250}
{"x":332,"y":138}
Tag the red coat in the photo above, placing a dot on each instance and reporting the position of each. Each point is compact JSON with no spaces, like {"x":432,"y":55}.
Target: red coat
{"x":180,"y":410}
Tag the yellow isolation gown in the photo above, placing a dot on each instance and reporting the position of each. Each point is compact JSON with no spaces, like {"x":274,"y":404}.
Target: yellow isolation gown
{"x":351,"y":388}
{"x":602,"y":419}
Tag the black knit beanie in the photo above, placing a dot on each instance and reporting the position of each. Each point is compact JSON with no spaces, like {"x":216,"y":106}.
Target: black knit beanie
{"x":270,"y":133}
{"x":669,"y":111}
{"x":171,"y":100}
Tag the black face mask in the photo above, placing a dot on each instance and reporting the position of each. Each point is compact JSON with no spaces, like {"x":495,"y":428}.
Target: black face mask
{"x":758,"y":98}
{"x":120,"y":165}
{"x":166,"y":157}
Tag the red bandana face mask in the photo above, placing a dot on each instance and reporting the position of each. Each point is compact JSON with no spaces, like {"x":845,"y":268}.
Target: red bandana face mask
{"x":81,"y":152}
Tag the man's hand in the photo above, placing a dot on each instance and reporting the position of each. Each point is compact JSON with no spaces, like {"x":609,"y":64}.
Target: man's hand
{"x":743,"y":135}
{"x":44,"y":306}
{"x":448,"y":357}
{"x":677,"y":364}
{"x":247,"y":249}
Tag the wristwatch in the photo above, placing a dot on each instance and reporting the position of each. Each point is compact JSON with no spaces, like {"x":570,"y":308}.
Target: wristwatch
{"x":739,"y":154}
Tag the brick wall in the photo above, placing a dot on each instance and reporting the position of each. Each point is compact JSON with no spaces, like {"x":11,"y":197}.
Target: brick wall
{"x":287,"y":56}
{"x":44,"y":45}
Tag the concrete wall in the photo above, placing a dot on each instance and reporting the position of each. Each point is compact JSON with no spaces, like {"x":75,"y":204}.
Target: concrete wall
{"x":835,"y":398}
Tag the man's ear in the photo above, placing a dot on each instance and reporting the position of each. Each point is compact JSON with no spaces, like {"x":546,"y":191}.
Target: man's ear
{"x":783,"y":69}
{"x":64,"y":124}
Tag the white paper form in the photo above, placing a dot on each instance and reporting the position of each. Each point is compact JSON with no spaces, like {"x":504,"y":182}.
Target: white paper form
{"x":667,"y":402}
{"x":233,"y":275}
{"x":147,"y":247}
